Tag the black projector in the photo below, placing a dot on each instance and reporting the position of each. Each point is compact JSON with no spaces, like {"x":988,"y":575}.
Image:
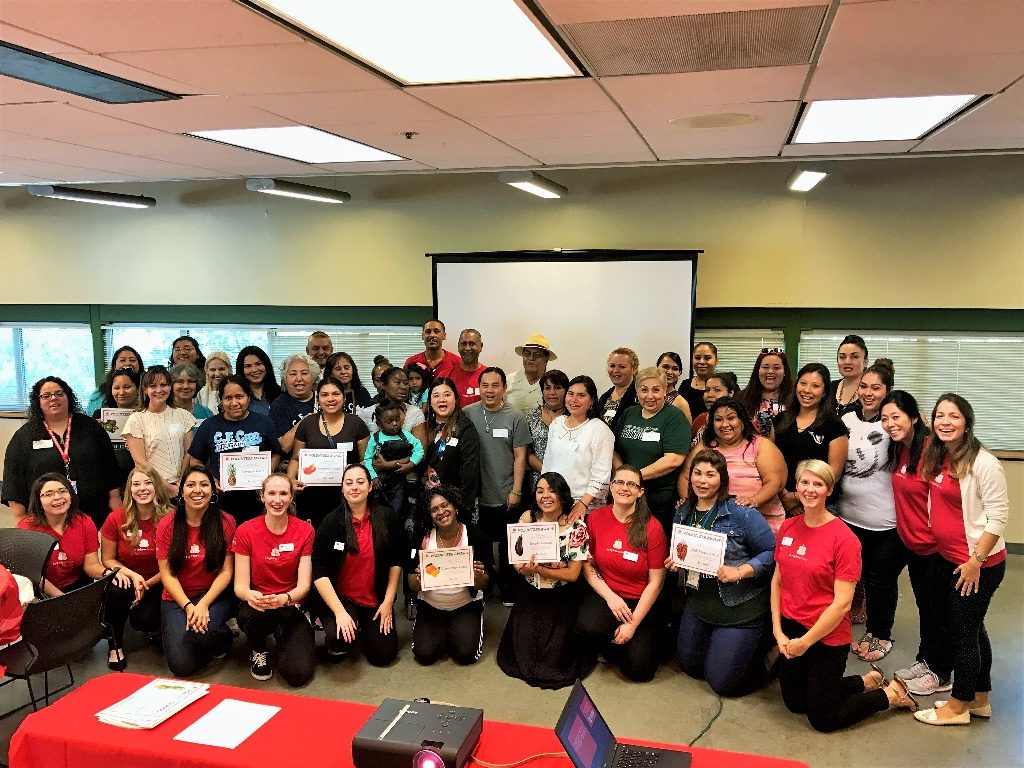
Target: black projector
{"x":398,"y":730}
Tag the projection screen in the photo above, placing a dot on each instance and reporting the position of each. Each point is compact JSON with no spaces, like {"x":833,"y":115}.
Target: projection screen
{"x":587,"y":302}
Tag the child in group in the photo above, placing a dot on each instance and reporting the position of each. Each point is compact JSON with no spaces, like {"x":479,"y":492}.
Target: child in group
{"x":420,"y":379}
{"x":399,"y":453}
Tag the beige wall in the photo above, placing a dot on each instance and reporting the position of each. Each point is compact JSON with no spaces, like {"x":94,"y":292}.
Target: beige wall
{"x":936,"y":232}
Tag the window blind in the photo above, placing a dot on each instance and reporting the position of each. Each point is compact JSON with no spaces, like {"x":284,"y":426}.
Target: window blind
{"x":738,"y":348}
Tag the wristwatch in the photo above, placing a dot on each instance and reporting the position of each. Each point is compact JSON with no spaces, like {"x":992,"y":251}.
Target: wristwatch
{"x":978,"y":557}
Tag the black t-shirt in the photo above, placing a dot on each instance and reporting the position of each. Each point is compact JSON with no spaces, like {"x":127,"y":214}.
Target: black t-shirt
{"x":693,"y":397}
{"x":316,"y":501}
{"x":286,"y":412}
{"x":811,"y":443}
{"x":217,"y":435}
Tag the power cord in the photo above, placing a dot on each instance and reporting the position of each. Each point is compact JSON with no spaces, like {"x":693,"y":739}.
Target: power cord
{"x":478,"y":761}
{"x":709,"y":724}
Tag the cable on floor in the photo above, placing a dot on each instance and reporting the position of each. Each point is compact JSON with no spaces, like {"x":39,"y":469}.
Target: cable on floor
{"x":709,"y":724}
{"x":478,"y":761}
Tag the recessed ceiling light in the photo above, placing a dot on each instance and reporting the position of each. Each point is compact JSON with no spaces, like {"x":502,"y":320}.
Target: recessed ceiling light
{"x":416,"y":42}
{"x":896,"y":119}
{"x":34,"y":67}
{"x":299,"y":142}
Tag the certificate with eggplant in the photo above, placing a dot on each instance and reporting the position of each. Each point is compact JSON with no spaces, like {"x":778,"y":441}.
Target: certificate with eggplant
{"x":112,"y":420}
{"x":696,"y":549}
{"x":244,"y":471}
{"x":446,"y":567}
{"x":536,"y":541}
{"x":322,"y":467}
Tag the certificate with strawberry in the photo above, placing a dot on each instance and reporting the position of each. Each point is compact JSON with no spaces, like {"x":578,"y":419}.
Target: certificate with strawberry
{"x":322,"y":467}
{"x":448,"y":567}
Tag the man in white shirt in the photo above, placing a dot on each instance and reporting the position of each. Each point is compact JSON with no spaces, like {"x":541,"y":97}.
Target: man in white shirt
{"x":524,"y":386}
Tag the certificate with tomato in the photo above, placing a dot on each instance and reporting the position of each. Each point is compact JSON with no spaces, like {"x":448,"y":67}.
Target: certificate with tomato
{"x":322,"y":467}
{"x":446,"y":568}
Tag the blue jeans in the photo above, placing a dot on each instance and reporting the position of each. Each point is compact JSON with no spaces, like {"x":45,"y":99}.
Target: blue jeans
{"x":727,"y":657}
{"x":187,"y":651}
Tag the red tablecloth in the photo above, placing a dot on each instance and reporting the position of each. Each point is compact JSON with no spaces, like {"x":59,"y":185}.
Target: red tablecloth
{"x":306,"y":732}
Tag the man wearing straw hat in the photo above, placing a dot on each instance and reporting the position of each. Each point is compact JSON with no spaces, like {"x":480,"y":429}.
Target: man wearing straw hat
{"x":524,"y":386}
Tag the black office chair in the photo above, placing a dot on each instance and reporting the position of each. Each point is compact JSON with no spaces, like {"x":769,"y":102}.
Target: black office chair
{"x":26,"y":553}
{"x":54,"y":633}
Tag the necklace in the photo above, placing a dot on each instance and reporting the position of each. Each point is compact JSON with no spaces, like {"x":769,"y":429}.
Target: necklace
{"x":489,"y":417}
{"x":450,"y":542}
{"x":839,"y":394}
{"x":569,"y":433}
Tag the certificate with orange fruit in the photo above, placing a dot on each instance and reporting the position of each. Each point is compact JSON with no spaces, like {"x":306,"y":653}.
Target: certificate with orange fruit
{"x":449,"y":567}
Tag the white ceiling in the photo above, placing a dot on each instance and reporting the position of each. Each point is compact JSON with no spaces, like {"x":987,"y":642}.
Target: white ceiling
{"x":237,"y":69}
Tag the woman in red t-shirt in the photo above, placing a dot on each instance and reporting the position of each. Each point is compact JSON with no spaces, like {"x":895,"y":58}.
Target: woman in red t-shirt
{"x":53,"y":509}
{"x":626,"y":570}
{"x":128,"y":543}
{"x":192,"y":550}
{"x":817,"y":566}
{"x":970,"y":507}
{"x":273,"y":574}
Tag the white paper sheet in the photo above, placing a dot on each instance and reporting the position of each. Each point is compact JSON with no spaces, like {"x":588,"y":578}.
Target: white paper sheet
{"x":228,"y":724}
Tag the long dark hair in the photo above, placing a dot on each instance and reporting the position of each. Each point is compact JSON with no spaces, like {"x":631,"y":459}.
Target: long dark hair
{"x":333,"y":361}
{"x":200,"y":362}
{"x":37,"y":410}
{"x":425,"y":373}
{"x":747,"y":432}
{"x":750,"y":396}
{"x":641,"y":511}
{"x":718,"y":462}
{"x":381,"y":534}
{"x":825,"y":406}
{"x":561,"y":488}
{"x":108,"y":395}
{"x":450,"y":426}
{"x":271,"y":389}
{"x":905,"y":402}
{"x":108,"y":378}
{"x":962,"y":457}
{"x":588,"y":383}
{"x":211,"y":529}
{"x":35,"y":511}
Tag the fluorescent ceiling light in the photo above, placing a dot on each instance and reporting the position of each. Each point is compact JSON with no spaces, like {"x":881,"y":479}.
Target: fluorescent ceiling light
{"x":300,"y":191}
{"x":534,"y":183}
{"x":805,"y":177}
{"x":90,"y":196}
{"x":876,"y":119}
{"x":38,"y":68}
{"x":299,"y":142}
{"x":445,"y":41}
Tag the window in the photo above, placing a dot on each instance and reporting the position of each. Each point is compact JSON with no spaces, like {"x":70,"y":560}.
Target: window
{"x":738,"y":348}
{"x":32,"y":351}
{"x":983,"y":367}
{"x":153,"y":341}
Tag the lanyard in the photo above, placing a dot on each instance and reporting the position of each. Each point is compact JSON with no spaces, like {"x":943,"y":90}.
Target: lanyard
{"x":327,"y":431}
{"x":63,"y":446}
{"x":703,"y":523}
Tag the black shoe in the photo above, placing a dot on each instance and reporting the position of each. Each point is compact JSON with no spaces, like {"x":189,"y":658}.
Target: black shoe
{"x":121,"y":664}
{"x":260,"y":665}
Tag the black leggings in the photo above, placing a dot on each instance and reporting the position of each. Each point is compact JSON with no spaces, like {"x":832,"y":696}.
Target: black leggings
{"x":379,"y":649}
{"x":927,"y":579}
{"x":292,"y":633}
{"x":814,"y":684}
{"x":884,"y":557}
{"x":460,"y":633}
{"x":639,"y":658}
{"x":492,"y":522}
{"x":972,"y":651}
{"x":118,"y":611}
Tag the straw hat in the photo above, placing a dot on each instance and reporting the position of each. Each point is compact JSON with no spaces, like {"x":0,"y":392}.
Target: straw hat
{"x":537,"y":341}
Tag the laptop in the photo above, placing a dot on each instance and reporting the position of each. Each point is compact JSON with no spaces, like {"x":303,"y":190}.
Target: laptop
{"x":591,"y":744}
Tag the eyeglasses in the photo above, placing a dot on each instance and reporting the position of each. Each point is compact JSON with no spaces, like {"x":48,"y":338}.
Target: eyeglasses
{"x":51,"y":494}
{"x":772,"y":350}
{"x":60,"y":394}
{"x":534,"y":354}
{"x":186,"y":348}
{"x":626,"y":484}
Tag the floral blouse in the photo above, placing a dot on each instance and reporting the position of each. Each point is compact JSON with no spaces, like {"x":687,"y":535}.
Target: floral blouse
{"x":573,"y":544}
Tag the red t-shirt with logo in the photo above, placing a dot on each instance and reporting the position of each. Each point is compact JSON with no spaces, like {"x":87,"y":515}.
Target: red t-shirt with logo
{"x":467,"y":384}
{"x":623,"y":567}
{"x":810,"y":561}
{"x":140,"y":558}
{"x":355,"y":579}
{"x":910,"y":492}
{"x":273,"y":558}
{"x":443,"y":369}
{"x":195,"y":580}
{"x":11,"y":610}
{"x":67,"y":559}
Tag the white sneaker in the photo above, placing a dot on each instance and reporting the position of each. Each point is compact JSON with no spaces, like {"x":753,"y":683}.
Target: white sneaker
{"x":914,"y":670}
{"x":927,"y":684}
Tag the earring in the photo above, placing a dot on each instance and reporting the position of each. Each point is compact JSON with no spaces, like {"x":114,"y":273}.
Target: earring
{"x":214,"y":499}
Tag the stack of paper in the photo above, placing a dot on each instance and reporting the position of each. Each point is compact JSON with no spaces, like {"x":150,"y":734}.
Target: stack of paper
{"x":153,"y":703}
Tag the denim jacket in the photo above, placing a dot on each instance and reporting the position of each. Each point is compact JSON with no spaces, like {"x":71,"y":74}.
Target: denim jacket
{"x":750,"y":541}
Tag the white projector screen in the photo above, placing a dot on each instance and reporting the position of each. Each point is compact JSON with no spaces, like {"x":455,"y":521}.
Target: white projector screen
{"x":586,"y":302}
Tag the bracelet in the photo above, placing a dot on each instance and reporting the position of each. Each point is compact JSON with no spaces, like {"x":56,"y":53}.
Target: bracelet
{"x":515,"y":493}
{"x":287,"y":598}
{"x":187,"y":604}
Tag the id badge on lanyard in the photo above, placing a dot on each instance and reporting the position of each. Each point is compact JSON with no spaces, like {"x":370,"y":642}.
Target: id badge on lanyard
{"x":64,"y":449}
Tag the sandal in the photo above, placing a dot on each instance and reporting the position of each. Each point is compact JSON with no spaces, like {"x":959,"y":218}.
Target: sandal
{"x":884,"y":680}
{"x":877,"y":649}
{"x":904,"y":700}
{"x":861,"y":646}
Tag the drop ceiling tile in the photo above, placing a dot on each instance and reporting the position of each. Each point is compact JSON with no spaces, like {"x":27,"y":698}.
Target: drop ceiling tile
{"x":691,"y":93}
{"x":542,"y":97}
{"x":107,"y":65}
{"x":193,"y":113}
{"x":14,"y":91}
{"x":335,"y":110}
{"x":389,"y":165}
{"x":586,"y":150}
{"x":32,"y":41}
{"x":57,"y":172}
{"x":996,"y":124}
{"x":581,"y":125}
{"x":58,"y":121}
{"x":257,"y":69}
{"x":103,"y":26}
{"x":571,"y":11}
{"x":848,"y":148}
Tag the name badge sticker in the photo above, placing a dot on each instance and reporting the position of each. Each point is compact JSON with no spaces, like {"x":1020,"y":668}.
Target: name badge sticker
{"x":287,"y":547}
{"x":344,"y":446}
{"x":650,"y":437}
{"x":631,"y":556}
{"x":787,"y":541}
{"x":38,"y":445}
{"x":453,"y":442}
{"x":339,"y":545}
{"x":503,"y":432}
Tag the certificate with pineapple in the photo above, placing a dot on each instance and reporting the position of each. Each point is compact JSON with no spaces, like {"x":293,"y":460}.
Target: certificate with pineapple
{"x":322,"y":467}
{"x":538,"y":540}
{"x":443,"y":568}
{"x":244,"y":471}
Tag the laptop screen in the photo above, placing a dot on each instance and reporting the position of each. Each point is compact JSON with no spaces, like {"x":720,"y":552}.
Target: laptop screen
{"x":583,"y":732}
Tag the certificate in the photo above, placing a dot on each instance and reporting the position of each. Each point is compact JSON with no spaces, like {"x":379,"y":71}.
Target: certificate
{"x":322,"y":467}
{"x":705,"y":550}
{"x":244,"y":471}
{"x":440,"y":568}
{"x":112,"y":420}
{"x":526,"y":539}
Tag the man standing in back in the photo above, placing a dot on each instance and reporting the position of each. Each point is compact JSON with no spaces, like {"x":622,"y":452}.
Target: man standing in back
{"x":466,"y":374}
{"x":319,"y":347}
{"x":524,"y":386}
{"x":434,"y":355}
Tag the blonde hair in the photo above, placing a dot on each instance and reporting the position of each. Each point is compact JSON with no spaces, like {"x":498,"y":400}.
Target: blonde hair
{"x":633,"y":359}
{"x":291,"y":486}
{"x":219,"y":354}
{"x":820,"y":469}
{"x":161,"y":504}
{"x":651,"y":373}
